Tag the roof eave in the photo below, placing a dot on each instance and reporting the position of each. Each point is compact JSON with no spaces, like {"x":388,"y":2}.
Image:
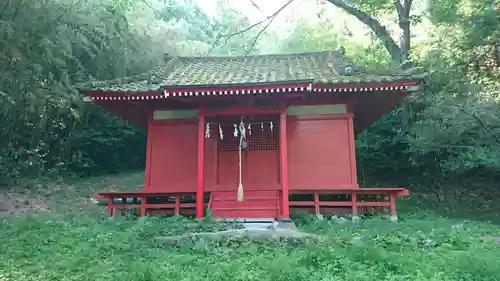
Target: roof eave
{"x":409,"y":85}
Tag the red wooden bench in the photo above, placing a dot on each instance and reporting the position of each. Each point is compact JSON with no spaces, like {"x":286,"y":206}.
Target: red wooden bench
{"x":380,"y":198}
{"x":372,"y":198}
{"x":140,"y":201}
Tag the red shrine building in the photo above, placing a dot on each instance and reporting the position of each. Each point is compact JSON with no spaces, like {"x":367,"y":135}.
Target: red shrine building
{"x":253,"y":137}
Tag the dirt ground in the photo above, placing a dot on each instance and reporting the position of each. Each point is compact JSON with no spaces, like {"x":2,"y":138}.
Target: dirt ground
{"x":37,"y":196}
{"x":14,"y":203}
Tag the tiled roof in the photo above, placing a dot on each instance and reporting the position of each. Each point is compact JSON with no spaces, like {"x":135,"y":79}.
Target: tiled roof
{"x":317,"y":67}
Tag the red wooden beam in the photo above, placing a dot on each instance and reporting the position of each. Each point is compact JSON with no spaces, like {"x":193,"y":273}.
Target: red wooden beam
{"x":285,"y":210}
{"x":318,"y":204}
{"x":243,"y":110}
{"x":178,"y":204}
{"x":149,"y":150}
{"x":201,"y":160}
{"x":352,"y":150}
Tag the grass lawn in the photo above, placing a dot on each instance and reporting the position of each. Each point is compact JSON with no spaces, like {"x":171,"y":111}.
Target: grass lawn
{"x":83,"y":244}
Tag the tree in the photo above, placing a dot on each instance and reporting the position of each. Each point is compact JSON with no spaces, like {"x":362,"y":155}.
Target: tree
{"x":47,"y":46}
{"x":366,"y":12}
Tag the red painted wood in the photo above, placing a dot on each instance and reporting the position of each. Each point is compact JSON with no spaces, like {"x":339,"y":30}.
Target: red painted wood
{"x":392,"y":200}
{"x":318,"y":153}
{"x":315,"y":155}
{"x":149,"y":151}
{"x":251,"y":87}
{"x":178,"y":204}
{"x":227,"y":170}
{"x":218,"y":204}
{"x":261,"y":168}
{"x":173,"y":158}
{"x":262,"y":203}
{"x":210,"y":170}
{"x":140,"y":193}
{"x":143,"y":210}
{"x":323,"y":210}
{"x":316,"y":203}
{"x":230,"y":187}
{"x":262,"y":193}
{"x":243,"y":110}
{"x":175,"y":122}
{"x":343,"y":116}
{"x":354,"y":202}
{"x":356,"y":206}
{"x":170,"y":205}
{"x":320,"y":99}
{"x":111,"y":208}
{"x":285,"y":211}
{"x":352,"y":150}
{"x":165,"y":212}
{"x":361,"y":190}
{"x":325,"y":188}
{"x":200,"y":164}
{"x":257,"y":204}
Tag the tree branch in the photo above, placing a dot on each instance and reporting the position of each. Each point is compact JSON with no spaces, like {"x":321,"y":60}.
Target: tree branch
{"x":258,"y":36}
{"x":152,"y":8}
{"x":4,"y":9}
{"x":74,"y":4}
{"x":257,"y":6}
{"x":380,"y":31}
{"x":268,"y":19}
{"x":399,"y":7}
{"x":481,"y":123}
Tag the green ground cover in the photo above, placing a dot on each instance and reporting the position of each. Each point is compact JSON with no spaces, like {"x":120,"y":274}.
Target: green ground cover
{"x":83,"y":244}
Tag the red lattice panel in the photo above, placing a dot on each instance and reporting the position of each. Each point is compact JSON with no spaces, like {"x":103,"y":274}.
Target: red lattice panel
{"x":260,"y":138}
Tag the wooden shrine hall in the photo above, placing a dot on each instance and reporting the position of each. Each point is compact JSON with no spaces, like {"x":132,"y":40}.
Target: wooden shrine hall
{"x":253,"y":137}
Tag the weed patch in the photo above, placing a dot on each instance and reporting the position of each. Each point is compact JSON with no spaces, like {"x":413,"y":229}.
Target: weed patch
{"x":83,"y":244}
{"x":49,"y":247}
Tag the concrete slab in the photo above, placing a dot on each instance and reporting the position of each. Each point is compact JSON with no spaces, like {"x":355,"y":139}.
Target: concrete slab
{"x":494,"y":238}
{"x":259,"y":231}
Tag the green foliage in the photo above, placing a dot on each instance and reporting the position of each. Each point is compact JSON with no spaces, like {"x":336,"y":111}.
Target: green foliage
{"x":448,"y":131}
{"x":456,"y":118}
{"x":48,"y":46}
{"x":423,"y":247}
{"x":451,"y":129}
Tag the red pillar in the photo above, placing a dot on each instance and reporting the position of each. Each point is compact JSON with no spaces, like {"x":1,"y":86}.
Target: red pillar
{"x":352,"y":150}
{"x":149,"y":149}
{"x":201,"y":155}
{"x":285,"y":213}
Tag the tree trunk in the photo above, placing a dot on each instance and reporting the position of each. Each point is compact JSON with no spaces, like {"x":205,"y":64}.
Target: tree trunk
{"x":403,"y":9}
{"x":398,"y":52}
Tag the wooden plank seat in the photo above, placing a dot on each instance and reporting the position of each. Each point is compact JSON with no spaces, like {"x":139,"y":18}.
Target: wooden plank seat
{"x":358,"y":200}
{"x":361,"y":200}
{"x":141,"y":200}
